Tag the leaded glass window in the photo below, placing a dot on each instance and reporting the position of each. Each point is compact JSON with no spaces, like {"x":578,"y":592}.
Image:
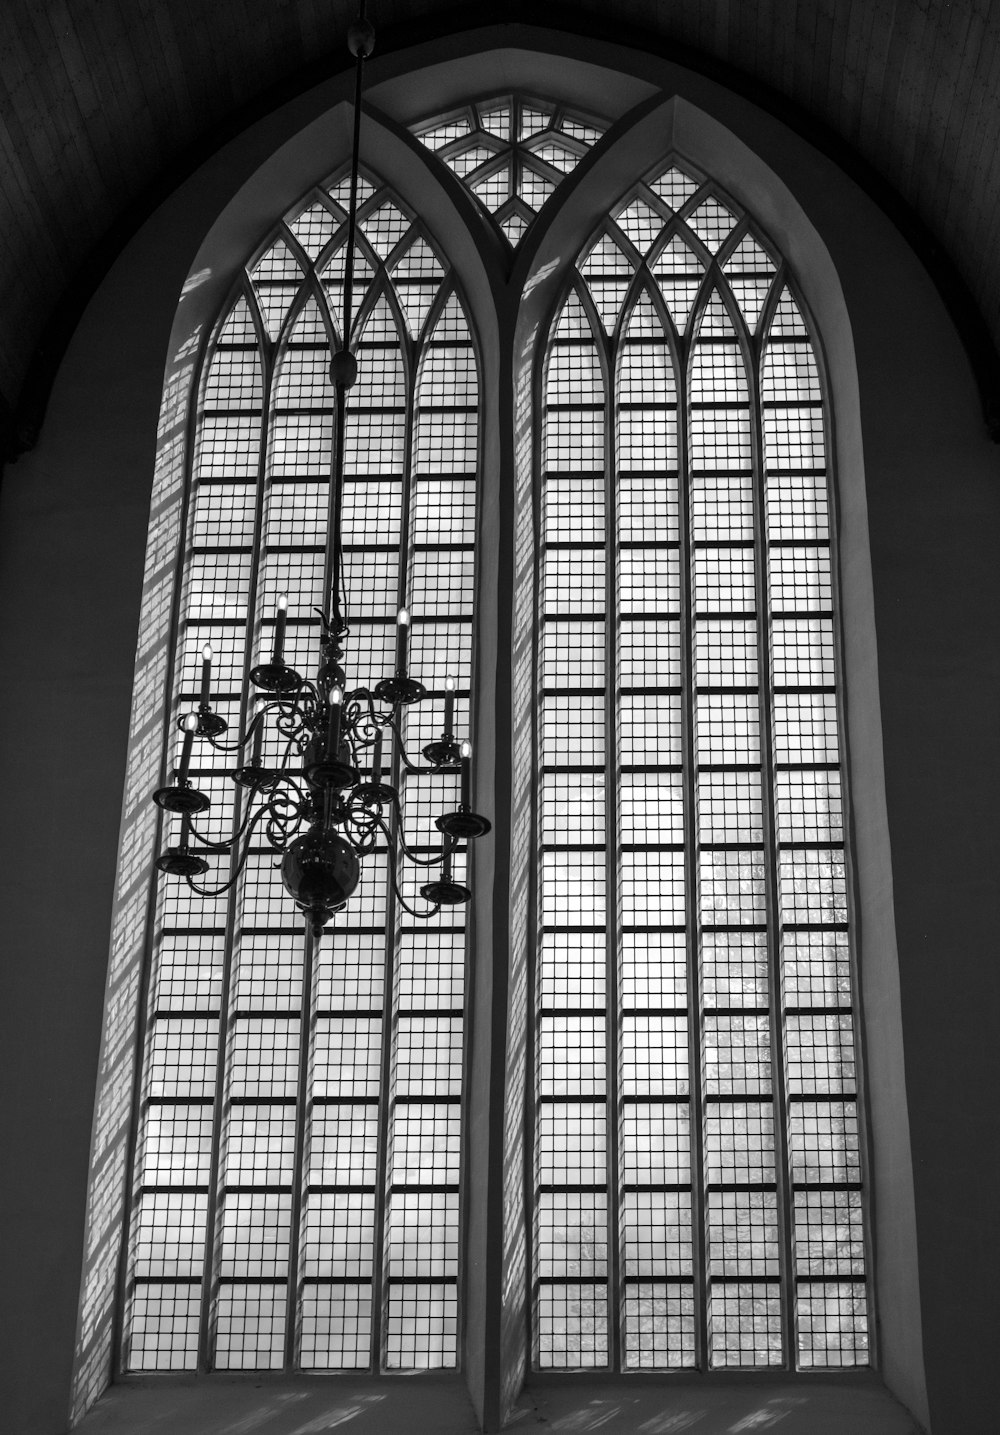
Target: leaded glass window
{"x":695,"y":1113}
{"x":295,"y":1197}
{"x":511,"y":152}
{"x":697,"y":1167}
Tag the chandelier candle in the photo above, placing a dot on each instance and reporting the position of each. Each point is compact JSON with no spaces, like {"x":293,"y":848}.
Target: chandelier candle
{"x":258,"y":739}
{"x":449,"y":706}
{"x":205,"y":700}
{"x":466,"y":775}
{"x":333,"y":724}
{"x":190,"y":727}
{"x":280,"y":619}
{"x":402,"y":637}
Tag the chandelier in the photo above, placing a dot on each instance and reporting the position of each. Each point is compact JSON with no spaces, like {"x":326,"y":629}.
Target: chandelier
{"x":327,"y":803}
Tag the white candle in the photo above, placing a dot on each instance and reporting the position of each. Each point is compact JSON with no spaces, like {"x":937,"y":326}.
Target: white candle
{"x":402,"y":634}
{"x":206,"y":675}
{"x":466,"y":774}
{"x":280,"y":619}
{"x":336,"y":701}
{"x":190,"y":728}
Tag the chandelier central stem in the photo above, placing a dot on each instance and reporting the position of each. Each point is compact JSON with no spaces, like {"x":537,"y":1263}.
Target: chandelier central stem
{"x":343,"y":369}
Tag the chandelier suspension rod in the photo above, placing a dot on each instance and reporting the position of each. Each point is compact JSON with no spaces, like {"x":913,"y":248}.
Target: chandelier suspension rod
{"x":343,"y":367}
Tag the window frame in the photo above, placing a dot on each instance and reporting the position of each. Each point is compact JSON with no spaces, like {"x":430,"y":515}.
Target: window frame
{"x":838,"y":309}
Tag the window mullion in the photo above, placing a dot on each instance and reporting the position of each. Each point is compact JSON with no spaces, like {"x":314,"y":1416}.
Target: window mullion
{"x":612,"y":1001}
{"x":121,"y":1336}
{"x":380,"y":1284}
{"x":699,"y":1253}
{"x":307,"y":1022}
{"x":765,"y":710}
{"x":207,"y":1325}
{"x":297,"y":1213}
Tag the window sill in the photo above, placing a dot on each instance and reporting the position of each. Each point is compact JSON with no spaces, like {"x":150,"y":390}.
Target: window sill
{"x":438,"y":1403}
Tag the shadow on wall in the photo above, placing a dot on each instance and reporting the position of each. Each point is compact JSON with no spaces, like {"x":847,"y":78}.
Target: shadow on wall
{"x":822,"y":1409}
{"x":440,"y":1405}
{"x":217,"y":1406}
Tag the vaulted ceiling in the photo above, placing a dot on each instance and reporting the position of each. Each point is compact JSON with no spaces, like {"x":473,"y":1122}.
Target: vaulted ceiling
{"x":104,"y":102}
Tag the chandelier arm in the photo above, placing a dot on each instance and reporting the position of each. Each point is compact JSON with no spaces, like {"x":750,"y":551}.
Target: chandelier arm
{"x":408,"y":851}
{"x":286,"y":756}
{"x":365,"y":724}
{"x":227,"y":747}
{"x":363,"y":836}
{"x":412,"y":911}
{"x":309,"y":697}
{"x":280,"y":829}
{"x":203,"y":891}
{"x":256,"y":721}
{"x":359,"y":816}
{"x":291,"y":719}
{"x":423,"y":861}
{"x":260,"y":718}
{"x":270,"y":796}
{"x":285,"y":807}
{"x":289,"y":705}
{"x":360,"y":715}
{"x":238,"y":833}
{"x":209,"y":845}
{"x":237,"y":746}
{"x":283,"y":771}
{"x":407,"y":763}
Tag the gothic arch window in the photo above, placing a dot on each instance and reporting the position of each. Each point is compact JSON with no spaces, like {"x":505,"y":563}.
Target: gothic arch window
{"x":697,"y":1169}
{"x":690,"y":1114}
{"x":294,"y":1196}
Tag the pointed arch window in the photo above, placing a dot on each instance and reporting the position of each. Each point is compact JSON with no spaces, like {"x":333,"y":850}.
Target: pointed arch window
{"x":294,"y":1198}
{"x":511,"y":152}
{"x":697,"y":1152}
{"x":694,"y":1118}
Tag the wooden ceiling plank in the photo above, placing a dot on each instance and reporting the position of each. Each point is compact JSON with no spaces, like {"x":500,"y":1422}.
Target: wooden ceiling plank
{"x":874,"y":54}
{"x":852,"y":72}
{"x":964,"y":193}
{"x":935,"y":177}
{"x":101,"y":97}
{"x":911,"y":99}
{"x":831,"y":103}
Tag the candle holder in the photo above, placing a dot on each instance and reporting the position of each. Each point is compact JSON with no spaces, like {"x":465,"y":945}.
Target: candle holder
{"x":325,"y":806}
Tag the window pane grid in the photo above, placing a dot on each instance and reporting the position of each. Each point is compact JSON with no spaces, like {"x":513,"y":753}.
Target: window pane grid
{"x":676,"y":677}
{"x":421,"y":1214}
{"x":571,"y":1094}
{"x":767,"y":956}
{"x":231,"y":1218}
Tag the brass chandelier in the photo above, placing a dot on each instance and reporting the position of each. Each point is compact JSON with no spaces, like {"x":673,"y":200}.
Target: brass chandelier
{"x":327,"y":803}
